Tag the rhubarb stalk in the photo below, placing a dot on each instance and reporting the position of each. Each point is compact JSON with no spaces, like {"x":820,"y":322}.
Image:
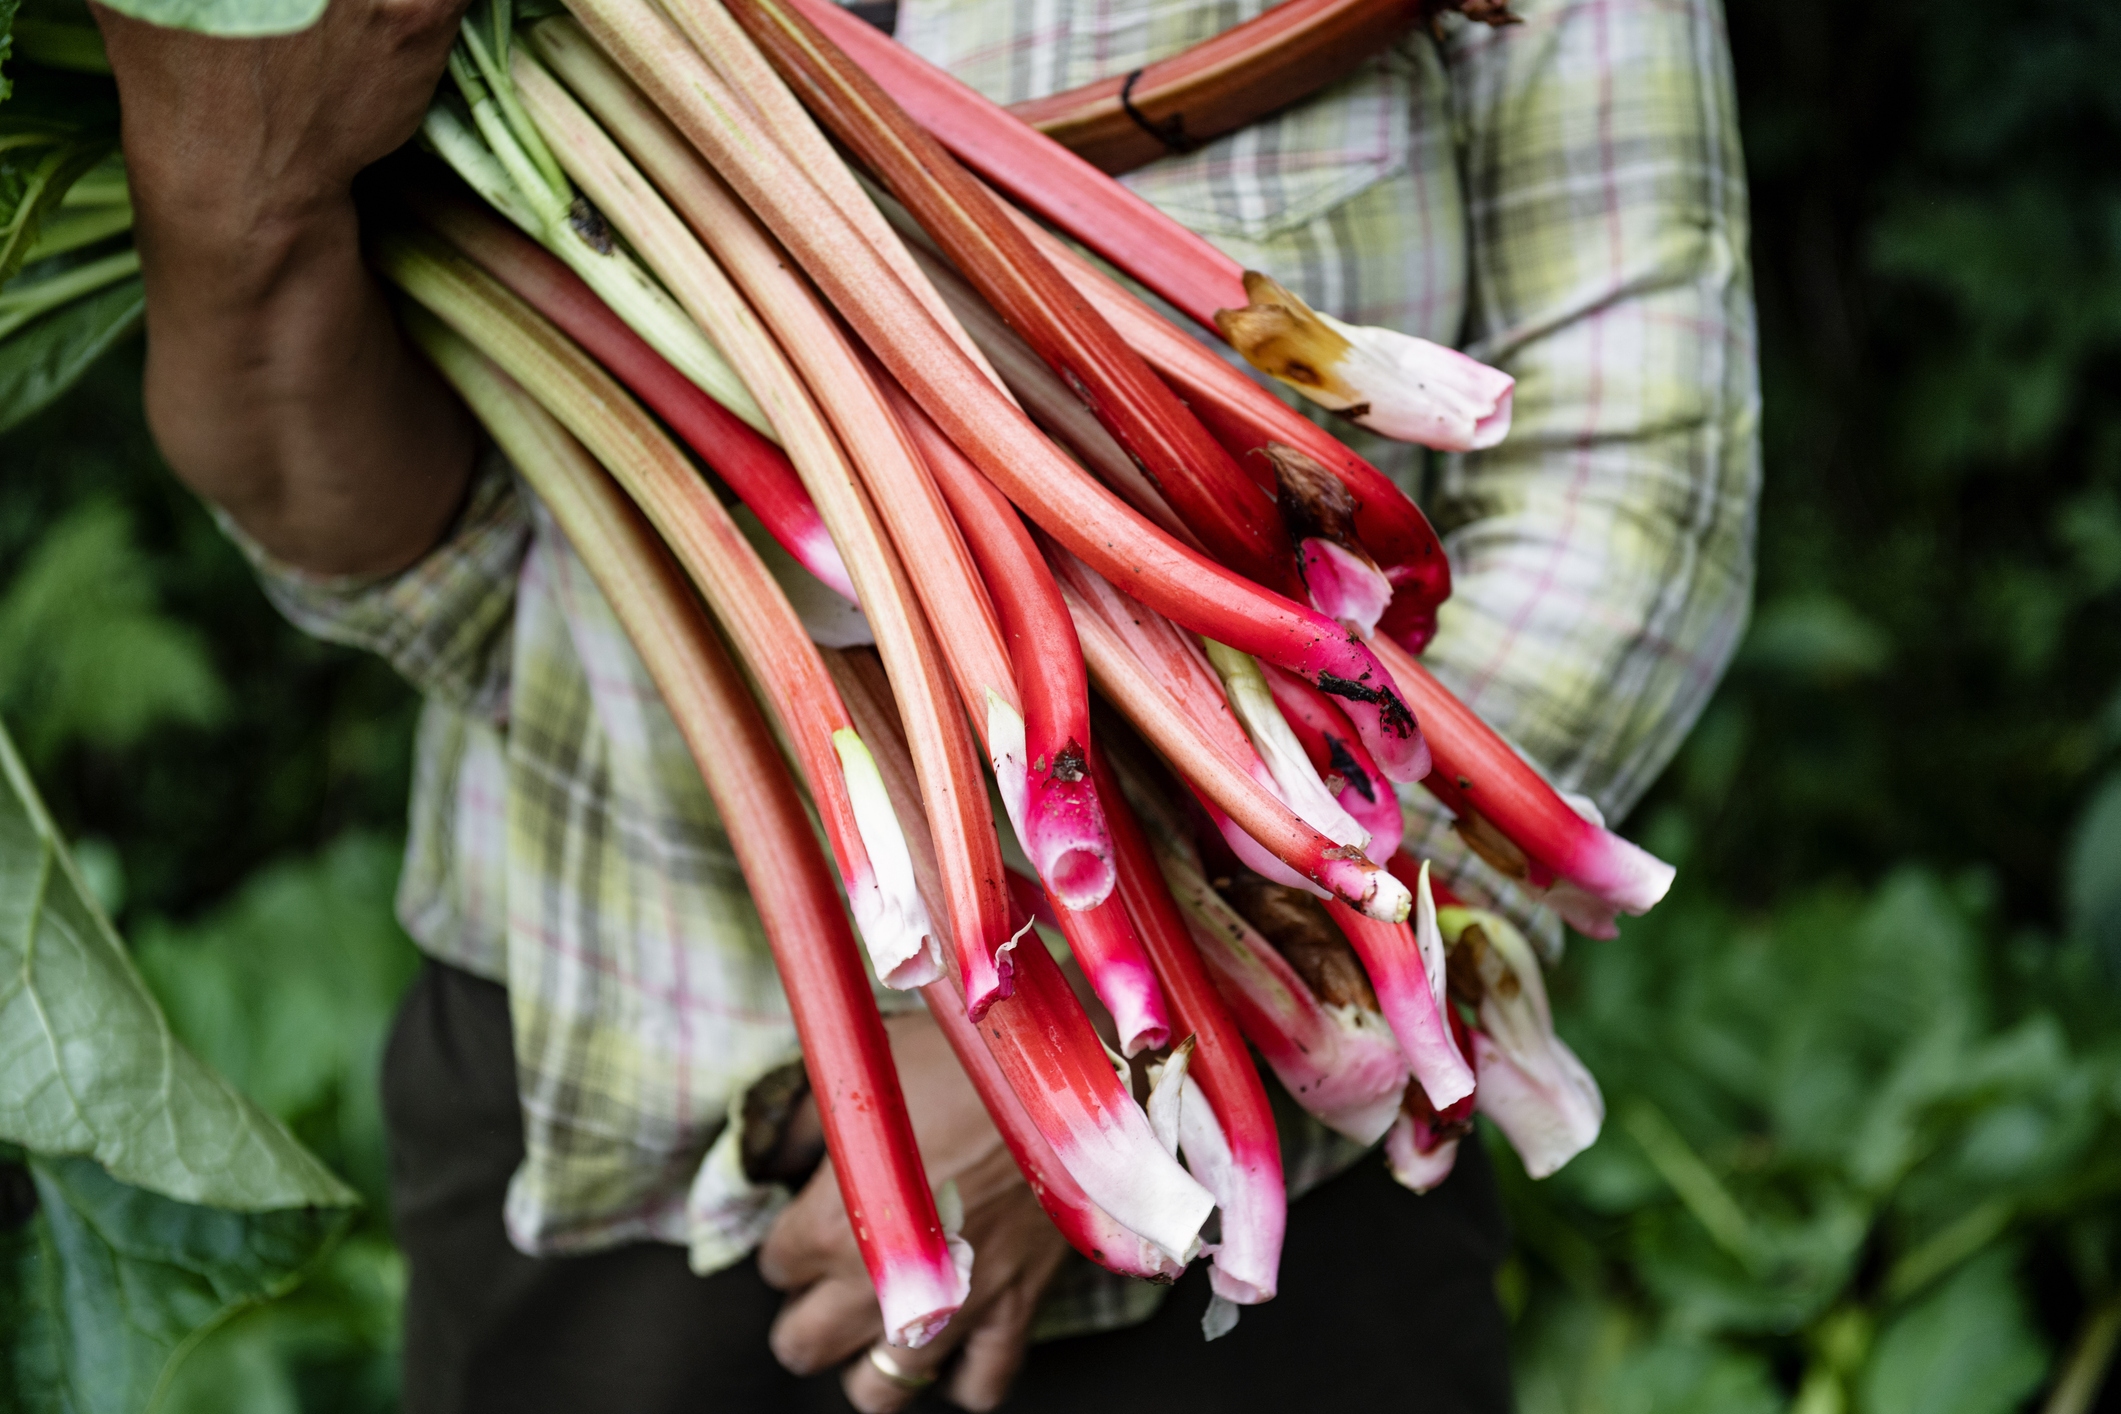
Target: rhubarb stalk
{"x":1531,"y":1084}
{"x":1410,"y":992}
{"x":1207,"y":489}
{"x":1478,"y":774}
{"x":1240,"y":1156}
{"x":920,"y":1274}
{"x":1390,"y":382}
{"x":1336,"y":753}
{"x":961,"y":398}
{"x":736,"y":584}
{"x":860,"y":430}
{"x":1089,"y":1229}
{"x":755,"y":469}
{"x":1058,"y":1069}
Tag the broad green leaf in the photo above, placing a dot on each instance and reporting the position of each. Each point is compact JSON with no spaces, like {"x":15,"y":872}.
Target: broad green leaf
{"x":288,"y":990}
{"x":1968,"y":1349}
{"x":88,"y":1066}
{"x":235,"y":19}
{"x":107,"y":1287}
{"x":43,"y":359}
{"x":85,"y":653}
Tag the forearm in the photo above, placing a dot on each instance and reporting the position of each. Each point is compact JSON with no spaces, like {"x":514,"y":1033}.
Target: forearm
{"x":278,"y":385}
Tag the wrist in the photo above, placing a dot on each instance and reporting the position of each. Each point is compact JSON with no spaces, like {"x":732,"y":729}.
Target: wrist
{"x":237,"y":256}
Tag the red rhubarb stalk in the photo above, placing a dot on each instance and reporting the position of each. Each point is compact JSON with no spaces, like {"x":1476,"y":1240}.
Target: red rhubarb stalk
{"x":1339,"y":1060}
{"x":1204,"y":485}
{"x":1088,"y":1228}
{"x":1001,"y":441}
{"x":723,"y":43}
{"x":756,"y":470}
{"x":1059,"y":1071}
{"x":1226,"y":780}
{"x":1410,"y":993}
{"x":1247,"y":419}
{"x":1390,"y":382}
{"x":1041,"y":392}
{"x":1475,"y":769}
{"x":861,"y":434}
{"x":1334,"y":750}
{"x":866,"y":840}
{"x":1246,"y":1175}
{"x":921,"y":1276}
{"x":1043,"y":176}
{"x":1062,"y":823}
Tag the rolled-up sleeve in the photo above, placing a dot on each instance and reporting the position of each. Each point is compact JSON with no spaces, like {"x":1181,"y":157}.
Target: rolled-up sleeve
{"x":445,"y":621}
{"x":1603,"y":553}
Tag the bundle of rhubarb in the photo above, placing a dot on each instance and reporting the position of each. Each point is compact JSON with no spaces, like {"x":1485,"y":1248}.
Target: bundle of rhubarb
{"x":771,"y":314}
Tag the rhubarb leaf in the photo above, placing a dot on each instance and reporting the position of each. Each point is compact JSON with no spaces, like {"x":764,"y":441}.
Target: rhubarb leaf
{"x":1968,"y":1349}
{"x":104,"y":1288}
{"x":88,"y":1066}
{"x":50,"y":354}
{"x":239,"y":19}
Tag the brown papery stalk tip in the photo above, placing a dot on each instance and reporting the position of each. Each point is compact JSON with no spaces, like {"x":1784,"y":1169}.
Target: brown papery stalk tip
{"x":1284,"y":338}
{"x":1315,"y":504}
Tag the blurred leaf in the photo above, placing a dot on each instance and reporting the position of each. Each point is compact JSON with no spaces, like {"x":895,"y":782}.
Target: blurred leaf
{"x":85,"y":653}
{"x":1818,"y":637}
{"x":7,"y":25}
{"x":43,"y":359}
{"x":106,"y":1288}
{"x":2092,"y":876}
{"x":288,"y":990}
{"x":87,"y":1063}
{"x":1968,"y":1349}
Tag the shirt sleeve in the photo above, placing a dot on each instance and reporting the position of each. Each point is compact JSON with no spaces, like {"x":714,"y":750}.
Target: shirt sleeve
{"x":445,"y":621}
{"x":1603,"y":554}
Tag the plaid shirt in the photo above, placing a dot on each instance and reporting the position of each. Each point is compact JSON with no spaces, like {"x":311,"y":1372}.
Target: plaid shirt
{"x":1564,"y":198}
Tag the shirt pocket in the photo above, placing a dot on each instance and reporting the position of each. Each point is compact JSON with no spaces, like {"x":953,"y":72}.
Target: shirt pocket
{"x":1295,"y":165}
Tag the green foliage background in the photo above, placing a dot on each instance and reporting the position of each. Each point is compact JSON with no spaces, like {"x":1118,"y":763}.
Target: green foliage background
{"x":1865,"y":1084}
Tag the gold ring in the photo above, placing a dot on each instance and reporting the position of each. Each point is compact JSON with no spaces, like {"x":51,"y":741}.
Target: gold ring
{"x":880,"y":1356}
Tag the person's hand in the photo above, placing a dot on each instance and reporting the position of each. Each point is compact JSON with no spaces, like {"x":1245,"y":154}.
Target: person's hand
{"x":1016,"y":1250}
{"x":277,"y":382}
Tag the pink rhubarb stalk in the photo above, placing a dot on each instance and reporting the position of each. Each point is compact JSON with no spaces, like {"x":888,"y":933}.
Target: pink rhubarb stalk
{"x":1041,"y":392}
{"x":1249,"y":420}
{"x":1410,"y":992}
{"x":1531,"y":1084}
{"x":861,"y":430}
{"x":755,"y":469}
{"x":1055,"y":808}
{"x":767,"y":634}
{"x":1338,"y":1060}
{"x":1089,"y":1229}
{"x":1240,"y":1158}
{"x":921,"y":1275}
{"x":1336,"y":752}
{"x":1389,"y":382}
{"x":1237,"y":524}
{"x":1477,"y":772}
{"x":992,"y":431}
{"x":1057,"y":1067}
{"x":1226,"y":780}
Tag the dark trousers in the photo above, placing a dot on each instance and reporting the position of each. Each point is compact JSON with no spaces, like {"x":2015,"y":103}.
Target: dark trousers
{"x":1387,"y":1300}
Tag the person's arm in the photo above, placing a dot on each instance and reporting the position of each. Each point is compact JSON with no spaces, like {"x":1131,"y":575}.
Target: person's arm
{"x":277,"y":383}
